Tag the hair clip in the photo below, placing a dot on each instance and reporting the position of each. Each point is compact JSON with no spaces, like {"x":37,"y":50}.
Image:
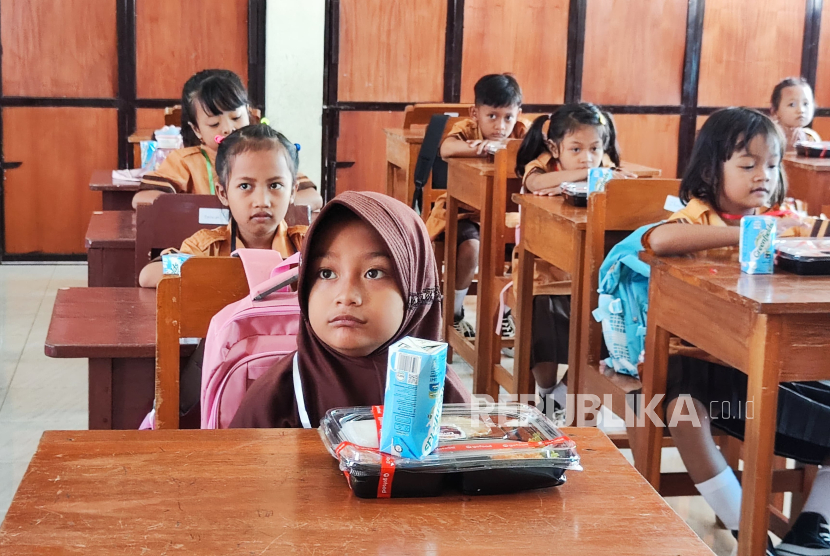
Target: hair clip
{"x":297,"y":146}
{"x":602,"y":119}
{"x":219,"y":138}
{"x":265,"y":121}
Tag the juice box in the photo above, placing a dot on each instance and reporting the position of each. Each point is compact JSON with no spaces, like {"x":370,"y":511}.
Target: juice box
{"x":414,"y":397}
{"x":597,"y":178}
{"x":757,"y":252}
{"x":172,"y":263}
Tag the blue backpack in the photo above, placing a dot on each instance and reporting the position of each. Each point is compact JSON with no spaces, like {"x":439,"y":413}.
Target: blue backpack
{"x":623,"y":303}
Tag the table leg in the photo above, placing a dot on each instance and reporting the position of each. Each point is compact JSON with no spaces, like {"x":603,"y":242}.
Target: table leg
{"x":574,"y":341}
{"x":648,"y":445}
{"x":488,"y":345}
{"x":390,"y":179}
{"x":100,"y":394}
{"x":759,"y":444}
{"x":409,"y":189}
{"x":450,"y":239}
{"x":95,"y":268}
{"x":523,"y":381}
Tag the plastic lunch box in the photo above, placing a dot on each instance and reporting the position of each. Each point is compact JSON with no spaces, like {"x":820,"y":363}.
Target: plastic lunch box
{"x":481,"y":450}
{"x":813,"y":149}
{"x":804,"y":256}
{"x":576,"y":193}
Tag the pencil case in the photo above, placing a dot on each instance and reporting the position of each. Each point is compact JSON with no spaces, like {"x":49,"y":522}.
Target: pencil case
{"x":481,"y":450}
{"x":809,"y":257}
{"x":575,"y":193}
{"x":813,"y":149}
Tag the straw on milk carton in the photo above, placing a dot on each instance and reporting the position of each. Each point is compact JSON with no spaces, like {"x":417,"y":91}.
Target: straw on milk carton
{"x":756,"y":251}
{"x":414,"y":397}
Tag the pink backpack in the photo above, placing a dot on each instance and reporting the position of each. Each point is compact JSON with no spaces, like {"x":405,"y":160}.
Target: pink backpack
{"x":247,"y":337}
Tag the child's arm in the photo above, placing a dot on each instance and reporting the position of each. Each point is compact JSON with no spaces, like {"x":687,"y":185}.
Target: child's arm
{"x":151,"y":275}
{"x":680,"y":239}
{"x":453,"y":147}
{"x":549,"y":183}
{"x":146,"y":197}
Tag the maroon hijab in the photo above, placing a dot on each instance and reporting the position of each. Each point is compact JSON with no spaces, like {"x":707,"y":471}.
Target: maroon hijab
{"x":330,"y":379}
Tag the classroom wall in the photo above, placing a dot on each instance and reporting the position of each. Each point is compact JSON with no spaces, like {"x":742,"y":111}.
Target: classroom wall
{"x":294,"y":75}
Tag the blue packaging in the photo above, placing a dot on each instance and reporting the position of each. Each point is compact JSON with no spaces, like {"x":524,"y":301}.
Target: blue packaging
{"x":414,"y":397}
{"x":598,"y":177}
{"x":757,"y":252}
{"x":172,"y":263}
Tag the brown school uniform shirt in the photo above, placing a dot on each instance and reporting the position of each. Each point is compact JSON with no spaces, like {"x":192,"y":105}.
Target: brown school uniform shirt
{"x":466,"y":130}
{"x":186,"y":171}
{"x":545,"y":163}
{"x":217,"y":241}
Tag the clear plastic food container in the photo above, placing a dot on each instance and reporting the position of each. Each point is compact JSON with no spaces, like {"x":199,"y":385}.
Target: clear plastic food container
{"x":576,"y":193}
{"x":489,"y":450}
{"x":804,"y":256}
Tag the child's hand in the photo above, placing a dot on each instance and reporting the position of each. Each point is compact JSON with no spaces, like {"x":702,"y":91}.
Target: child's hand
{"x":549,"y":191}
{"x":787,"y":223}
{"x":485,"y":146}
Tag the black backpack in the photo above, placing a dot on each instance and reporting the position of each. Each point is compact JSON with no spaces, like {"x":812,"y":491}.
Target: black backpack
{"x":430,"y":162}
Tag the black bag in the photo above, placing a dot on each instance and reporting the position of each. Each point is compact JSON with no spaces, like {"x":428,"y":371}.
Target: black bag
{"x":429,"y":162}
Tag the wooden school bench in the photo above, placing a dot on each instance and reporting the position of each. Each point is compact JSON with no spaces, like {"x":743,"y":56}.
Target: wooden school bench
{"x":278,"y":491}
{"x":115,"y":195}
{"x":775,"y":328}
{"x":110,"y":249}
{"x":808,"y":180}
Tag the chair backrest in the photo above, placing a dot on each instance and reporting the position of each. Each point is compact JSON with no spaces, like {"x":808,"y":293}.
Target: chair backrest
{"x":420,"y":114}
{"x":184,"y":306}
{"x":624,"y":206}
{"x":173,"y":115}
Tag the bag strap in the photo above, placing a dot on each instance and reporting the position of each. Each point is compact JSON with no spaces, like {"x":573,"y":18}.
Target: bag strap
{"x":298,"y":393}
{"x":258,"y":264}
{"x":426,"y":157}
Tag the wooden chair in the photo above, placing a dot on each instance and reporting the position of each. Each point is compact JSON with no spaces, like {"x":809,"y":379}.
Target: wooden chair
{"x":623,"y":207}
{"x":184,"y":306}
{"x":173,"y":115}
{"x":420,"y":114}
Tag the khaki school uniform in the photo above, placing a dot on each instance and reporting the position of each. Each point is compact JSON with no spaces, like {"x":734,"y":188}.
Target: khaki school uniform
{"x":216,"y":242}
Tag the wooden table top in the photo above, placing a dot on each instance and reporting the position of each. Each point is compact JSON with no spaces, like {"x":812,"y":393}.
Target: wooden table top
{"x":141,"y":135}
{"x":111,"y":228}
{"x":814,"y":164}
{"x":412,"y":135}
{"x":278,"y":491}
{"x":101,"y":180}
{"x":719,"y":273}
{"x":556,"y":206}
{"x":103,"y":322}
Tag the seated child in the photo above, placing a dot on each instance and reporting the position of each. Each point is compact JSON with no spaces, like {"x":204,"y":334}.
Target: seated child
{"x":367,"y":280}
{"x":735,"y":170}
{"x":257,"y":181}
{"x":214,"y":103}
{"x":561,"y":147}
{"x":793,"y":108}
{"x":494,"y":119}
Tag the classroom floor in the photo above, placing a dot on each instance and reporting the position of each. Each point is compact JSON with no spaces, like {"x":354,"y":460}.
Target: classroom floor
{"x":38,"y":393}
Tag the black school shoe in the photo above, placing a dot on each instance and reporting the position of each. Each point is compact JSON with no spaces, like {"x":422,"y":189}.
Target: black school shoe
{"x":771,"y":550}
{"x":810,"y":536}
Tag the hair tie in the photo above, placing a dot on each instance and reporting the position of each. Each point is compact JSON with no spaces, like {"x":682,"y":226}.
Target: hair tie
{"x":546,"y":127}
{"x":265,"y":121}
{"x":218,"y":139}
{"x":297,"y":146}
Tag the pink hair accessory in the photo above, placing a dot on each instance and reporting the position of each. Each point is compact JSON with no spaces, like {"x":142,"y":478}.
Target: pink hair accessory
{"x":219,"y":139}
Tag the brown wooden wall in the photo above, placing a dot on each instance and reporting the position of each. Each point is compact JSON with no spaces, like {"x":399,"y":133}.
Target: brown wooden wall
{"x":632,"y":58}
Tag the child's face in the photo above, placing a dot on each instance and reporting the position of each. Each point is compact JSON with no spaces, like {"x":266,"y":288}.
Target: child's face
{"x":354,"y":304}
{"x":208,"y":126}
{"x":750,"y":176}
{"x":496,"y":124}
{"x":797,"y":107}
{"x":258,"y":193}
{"x":579,"y":150}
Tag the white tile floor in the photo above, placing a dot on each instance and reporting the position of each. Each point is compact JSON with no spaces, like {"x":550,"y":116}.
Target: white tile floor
{"x":38,"y":393}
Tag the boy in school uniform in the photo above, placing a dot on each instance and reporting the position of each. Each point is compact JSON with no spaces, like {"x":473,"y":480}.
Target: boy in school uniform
{"x":494,"y":119}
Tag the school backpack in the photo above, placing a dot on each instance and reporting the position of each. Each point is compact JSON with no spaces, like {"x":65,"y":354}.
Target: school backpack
{"x":248,"y":336}
{"x":623,"y":303}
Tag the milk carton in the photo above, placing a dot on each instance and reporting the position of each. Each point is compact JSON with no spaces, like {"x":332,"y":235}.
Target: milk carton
{"x":172,"y":263}
{"x":597,"y":178}
{"x":756,"y":244}
{"x":414,"y":397}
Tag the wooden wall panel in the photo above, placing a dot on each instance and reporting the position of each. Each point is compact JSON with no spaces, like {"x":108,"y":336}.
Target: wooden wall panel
{"x":506,"y":36}
{"x":392,"y":51}
{"x":49,"y":44}
{"x":822,"y":127}
{"x":649,"y":139}
{"x":634,"y":51}
{"x":149,"y":118}
{"x":823,"y":73}
{"x":362,"y":141}
{"x":47,"y":200}
{"x":748,"y":47}
{"x":177,"y":38}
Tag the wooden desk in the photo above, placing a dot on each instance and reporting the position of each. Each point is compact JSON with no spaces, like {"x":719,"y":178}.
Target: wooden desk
{"x":278,"y":491}
{"x":115,"y":195}
{"x":554,"y":231}
{"x":135,"y":140}
{"x":402,"y":148}
{"x":110,"y":249}
{"x":808,"y":181}
{"x":115,"y":328}
{"x":775,"y":328}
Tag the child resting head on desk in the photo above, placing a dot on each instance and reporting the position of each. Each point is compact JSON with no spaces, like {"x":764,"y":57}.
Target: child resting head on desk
{"x":735,"y":170}
{"x":257,"y":169}
{"x":495,"y":118}
{"x":214,"y":104}
{"x":792,"y":107}
{"x":367,"y":280}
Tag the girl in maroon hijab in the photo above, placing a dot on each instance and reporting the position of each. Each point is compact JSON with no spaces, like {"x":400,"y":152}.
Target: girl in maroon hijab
{"x":368,"y":279}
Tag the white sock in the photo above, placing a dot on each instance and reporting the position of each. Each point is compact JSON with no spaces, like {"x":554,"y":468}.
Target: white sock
{"x":723,"y":493}
{"x":458,"y":308}
{"x":560,"y":394}
{"x":819,"y":499}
